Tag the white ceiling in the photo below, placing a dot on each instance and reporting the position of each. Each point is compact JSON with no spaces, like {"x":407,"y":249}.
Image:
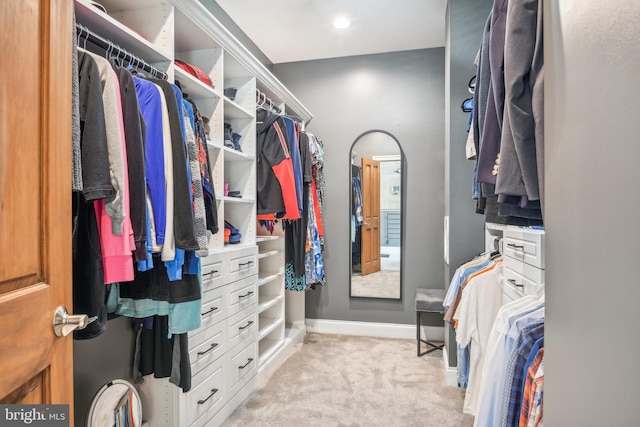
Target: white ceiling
{"x":301,"y":30}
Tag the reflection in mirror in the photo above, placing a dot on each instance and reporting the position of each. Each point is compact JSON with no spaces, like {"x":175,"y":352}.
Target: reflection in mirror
{"x":376,"y":216}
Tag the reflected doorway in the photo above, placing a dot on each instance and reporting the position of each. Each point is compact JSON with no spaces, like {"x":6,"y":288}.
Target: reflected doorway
{"x":376,"y":216}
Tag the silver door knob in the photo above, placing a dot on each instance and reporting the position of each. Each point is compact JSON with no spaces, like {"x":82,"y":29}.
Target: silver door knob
{"x":65,"y":323}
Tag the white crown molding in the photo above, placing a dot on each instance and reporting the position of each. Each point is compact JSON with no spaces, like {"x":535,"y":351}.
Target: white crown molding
{"x":267,"y":82}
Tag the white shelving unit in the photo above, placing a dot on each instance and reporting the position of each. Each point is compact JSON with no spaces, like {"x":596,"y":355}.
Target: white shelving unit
{"x":244,"y":319}
{"x":271,"y":312}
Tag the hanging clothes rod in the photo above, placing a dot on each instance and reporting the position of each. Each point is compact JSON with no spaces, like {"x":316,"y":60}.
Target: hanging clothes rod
{"x":262,"y":96}
{"x":112,"y":48}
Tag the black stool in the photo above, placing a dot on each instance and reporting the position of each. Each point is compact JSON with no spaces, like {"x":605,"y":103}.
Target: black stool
{"x":428,"y":301}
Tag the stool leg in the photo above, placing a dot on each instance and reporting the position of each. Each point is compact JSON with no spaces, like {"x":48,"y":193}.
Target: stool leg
{"x":418,"y":338}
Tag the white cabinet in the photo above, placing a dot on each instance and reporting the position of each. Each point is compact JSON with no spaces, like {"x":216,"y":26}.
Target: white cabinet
{"x":523,"y":251}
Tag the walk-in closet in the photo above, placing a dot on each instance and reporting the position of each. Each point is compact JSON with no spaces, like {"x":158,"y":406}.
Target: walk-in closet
{"x":223,"y":213}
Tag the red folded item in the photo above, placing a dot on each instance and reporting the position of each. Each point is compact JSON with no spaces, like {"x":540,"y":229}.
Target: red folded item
{"x":195,"y":72}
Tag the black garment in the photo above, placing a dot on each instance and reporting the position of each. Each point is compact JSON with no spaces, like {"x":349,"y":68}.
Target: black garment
{"x":96,"y":177}
{"x":269,"y":154}
{"x":157,"y":352}
{"x":134,"y":133}
{"x":88,"y":274}
{"x":154,"y":284}
{"x":296,"y":231}
{"x":183,"y":222}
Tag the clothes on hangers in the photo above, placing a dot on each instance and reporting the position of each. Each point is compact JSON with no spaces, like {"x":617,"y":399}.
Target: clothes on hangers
{"x":516,"y":333}
{"x":508,"y":115}
{"x":134,"y":136}
{"x":290,"y":189}
{"x":276,"y":198}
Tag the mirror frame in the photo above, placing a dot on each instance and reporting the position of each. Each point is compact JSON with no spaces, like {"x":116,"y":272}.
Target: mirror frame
{"x":403,"y":203}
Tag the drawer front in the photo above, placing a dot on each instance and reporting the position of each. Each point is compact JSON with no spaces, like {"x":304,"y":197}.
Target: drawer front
{"x":214,"y":306}
{"x":510,"y":291}
{"x":531,"y":274}
{"x":242,"y":366}
{"x":242,"y":294}
{"x":212,"y":276}
{"x":207,"y":346}
{"x":212,"y":258}
{"x":242,"y":327}
{"x":524,"y":245}
{"x":210,"y":393}
{"x":522,"y":284}
{"x":240,"y":264}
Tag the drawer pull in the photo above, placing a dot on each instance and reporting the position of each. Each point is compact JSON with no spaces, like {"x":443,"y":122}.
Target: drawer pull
{"x":214,"y":345}
{"x":212,"y":272}
{"x":513,"y":282}
{"x":246,"y":326}
{"x":242,"y":264}
{"x":245,"y":365}
{"x":514,"y":246}
{"x":248,"y":294}
{"x":211,"y":310}
{"x":213,"y":391}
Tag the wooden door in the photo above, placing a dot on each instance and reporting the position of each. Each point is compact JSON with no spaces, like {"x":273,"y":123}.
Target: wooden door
{"x":35,"y":200}
{"x":370,"y":253}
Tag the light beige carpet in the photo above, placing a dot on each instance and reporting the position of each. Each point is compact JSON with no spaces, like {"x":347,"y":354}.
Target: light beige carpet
{"x":335,"y":380}
{"x":381,"y":284}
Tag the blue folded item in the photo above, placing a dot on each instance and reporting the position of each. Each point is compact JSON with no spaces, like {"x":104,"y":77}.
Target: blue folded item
{"x":231,"y":227}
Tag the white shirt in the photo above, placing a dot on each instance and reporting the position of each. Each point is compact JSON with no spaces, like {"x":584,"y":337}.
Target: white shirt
{"x":481,"y":300}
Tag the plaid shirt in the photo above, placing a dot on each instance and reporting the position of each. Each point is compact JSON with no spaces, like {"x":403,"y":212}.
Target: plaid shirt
{"x":528,"y":402}
{"x":535,"y":413}
{"x":512,"y":398}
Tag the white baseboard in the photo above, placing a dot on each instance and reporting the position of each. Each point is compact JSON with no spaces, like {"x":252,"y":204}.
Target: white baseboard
{"x":450,"y":373}
{"x":372,"y":329}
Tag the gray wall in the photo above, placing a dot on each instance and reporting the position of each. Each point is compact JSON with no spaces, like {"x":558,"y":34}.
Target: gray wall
{"x":99,"y":360}
{"x":592,"y":163}
{"x":402,"y":93}
{"x":465,"y":23}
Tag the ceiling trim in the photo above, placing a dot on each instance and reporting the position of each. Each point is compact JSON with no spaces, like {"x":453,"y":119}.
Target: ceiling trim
{"x":266,"y":81}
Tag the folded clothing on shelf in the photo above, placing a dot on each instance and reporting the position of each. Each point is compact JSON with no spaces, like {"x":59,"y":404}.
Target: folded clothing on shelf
{"x":231,"y":234}
{"x":194,"y":71}
{"x":230,"y":93}
{"x":231,"y":139}
{"x":235,"y":193}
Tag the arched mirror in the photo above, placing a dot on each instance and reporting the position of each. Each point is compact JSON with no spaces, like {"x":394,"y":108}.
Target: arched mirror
{"x":376,"y":180}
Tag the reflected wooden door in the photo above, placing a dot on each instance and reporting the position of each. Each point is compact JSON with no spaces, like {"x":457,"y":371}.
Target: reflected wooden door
{"x":370,"y":253}
{"x":35,"y":200}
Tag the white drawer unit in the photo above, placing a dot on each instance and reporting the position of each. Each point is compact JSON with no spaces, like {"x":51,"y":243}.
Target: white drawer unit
{"x":240,"y":264}
{"x":524,"y":244}
{"x":242,"y":294}
{"x":242,"y":327}
{"x":212,"y":275}
{"x":214,"y":308}
{"x":523,"y":276}
{"x":523,"y":251}
{"x":207,"y":346}
{"x":223,"y":352}
{"x":208,"y":394}
{"x":243,"y":364}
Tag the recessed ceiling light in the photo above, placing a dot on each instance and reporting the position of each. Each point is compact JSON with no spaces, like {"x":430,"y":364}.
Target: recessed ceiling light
{"x":341,"y":22}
